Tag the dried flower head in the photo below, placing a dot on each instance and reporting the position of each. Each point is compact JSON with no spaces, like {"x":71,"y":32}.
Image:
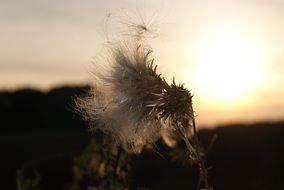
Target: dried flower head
{"x":138,"y":103}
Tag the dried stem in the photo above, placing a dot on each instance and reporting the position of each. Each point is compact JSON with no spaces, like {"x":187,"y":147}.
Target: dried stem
{"x":200,"y":161}
{"x":116,"y":166}
{"x":195,"y":154}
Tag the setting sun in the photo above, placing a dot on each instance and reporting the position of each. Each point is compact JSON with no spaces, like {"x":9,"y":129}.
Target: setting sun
{"x":227,"y":68}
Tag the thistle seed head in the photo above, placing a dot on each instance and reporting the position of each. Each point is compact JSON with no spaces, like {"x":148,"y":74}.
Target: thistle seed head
{"x":139,"y":103}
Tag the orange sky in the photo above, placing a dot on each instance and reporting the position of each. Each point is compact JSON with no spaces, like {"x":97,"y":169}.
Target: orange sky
{"x":230,"y":53}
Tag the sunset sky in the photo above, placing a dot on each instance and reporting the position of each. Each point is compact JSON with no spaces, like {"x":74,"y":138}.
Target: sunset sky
{"x":229,"y":53}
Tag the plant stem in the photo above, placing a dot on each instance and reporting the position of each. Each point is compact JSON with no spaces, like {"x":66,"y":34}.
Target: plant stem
{"x":202,"y":168}
{"x":116,"y":166}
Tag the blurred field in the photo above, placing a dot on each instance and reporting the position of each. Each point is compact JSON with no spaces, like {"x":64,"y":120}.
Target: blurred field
{"x":40,"y":131}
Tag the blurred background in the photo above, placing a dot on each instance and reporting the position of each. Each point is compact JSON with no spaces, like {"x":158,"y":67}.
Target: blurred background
{"x":228,"y":53}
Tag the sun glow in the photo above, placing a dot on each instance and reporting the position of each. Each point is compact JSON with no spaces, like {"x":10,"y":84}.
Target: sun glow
{"x":227,"y":68}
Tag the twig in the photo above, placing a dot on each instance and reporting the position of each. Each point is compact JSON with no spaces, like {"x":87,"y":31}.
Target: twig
{"x":202,"y":168}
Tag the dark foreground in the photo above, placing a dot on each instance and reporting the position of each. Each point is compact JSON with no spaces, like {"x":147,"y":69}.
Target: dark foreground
{"x":39,"y":132}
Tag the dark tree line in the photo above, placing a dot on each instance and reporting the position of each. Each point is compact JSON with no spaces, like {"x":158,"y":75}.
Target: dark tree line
{"x":32,"y":109}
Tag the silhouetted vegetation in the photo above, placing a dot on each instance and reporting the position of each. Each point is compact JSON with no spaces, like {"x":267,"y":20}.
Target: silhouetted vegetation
{"x":40,"y":132}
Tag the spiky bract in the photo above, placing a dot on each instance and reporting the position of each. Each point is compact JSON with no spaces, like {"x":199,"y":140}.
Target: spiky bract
{"x":139,"y":103}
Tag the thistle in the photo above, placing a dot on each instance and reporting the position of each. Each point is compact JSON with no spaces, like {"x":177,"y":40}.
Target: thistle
{"x":136,"y":106}
{"x":138,"y":103}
